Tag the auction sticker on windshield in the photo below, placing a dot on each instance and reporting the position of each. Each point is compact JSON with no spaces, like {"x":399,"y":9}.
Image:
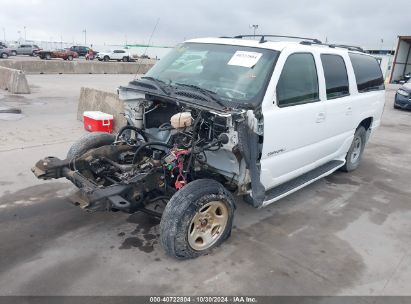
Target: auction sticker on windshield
{"x":245,"y":59}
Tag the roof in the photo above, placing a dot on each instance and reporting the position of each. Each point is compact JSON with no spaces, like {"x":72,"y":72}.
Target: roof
{"x":272,"y":45}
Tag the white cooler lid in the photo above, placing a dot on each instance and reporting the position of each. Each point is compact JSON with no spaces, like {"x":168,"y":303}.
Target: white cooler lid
{"x":97,"y":115}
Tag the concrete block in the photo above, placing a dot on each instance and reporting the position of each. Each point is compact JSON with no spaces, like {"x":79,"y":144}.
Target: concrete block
{"x":14,"y":81}
{"x":97,"y":100}
{"x":38,"y":66}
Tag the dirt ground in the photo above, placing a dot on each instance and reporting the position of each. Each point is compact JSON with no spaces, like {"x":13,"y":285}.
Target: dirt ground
{"x":347,"y":234}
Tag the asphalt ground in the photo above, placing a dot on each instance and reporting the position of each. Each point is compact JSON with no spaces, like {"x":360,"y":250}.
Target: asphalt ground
{"x":346,"y":234}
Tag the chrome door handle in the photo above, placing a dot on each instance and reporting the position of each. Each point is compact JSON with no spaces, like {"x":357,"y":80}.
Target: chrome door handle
{"x":320,"y":117}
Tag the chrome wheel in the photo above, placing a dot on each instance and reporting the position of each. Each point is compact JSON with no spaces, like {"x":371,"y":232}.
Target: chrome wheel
{"x":208,"y":225}
{"x":356,"y":151}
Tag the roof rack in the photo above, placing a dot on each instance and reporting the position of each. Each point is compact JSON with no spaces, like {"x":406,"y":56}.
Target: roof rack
{"x":305,"y":41}
{"x":262,"y":39}
{"x":332,"y":45}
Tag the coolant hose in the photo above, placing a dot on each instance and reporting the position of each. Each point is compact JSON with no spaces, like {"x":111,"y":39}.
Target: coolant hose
{"x":128,"y":127}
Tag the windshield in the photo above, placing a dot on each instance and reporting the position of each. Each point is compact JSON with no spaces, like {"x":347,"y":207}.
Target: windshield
{"x":234,"y":73}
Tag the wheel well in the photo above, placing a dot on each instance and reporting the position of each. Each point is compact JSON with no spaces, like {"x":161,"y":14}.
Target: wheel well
{"x":366,"y":123}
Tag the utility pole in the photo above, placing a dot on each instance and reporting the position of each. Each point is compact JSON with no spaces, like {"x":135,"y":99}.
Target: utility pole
{"x":25,"y":36}
{"x":85,"y":37}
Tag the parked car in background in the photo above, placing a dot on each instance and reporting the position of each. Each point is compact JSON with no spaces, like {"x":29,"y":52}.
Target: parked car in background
{"x":65,"y":54}
{"x":13,"y":51}
{"x":403,"y":97}
{"x":4,"y":52}
{"x":119,"y":55}
{"x":27,"y":49}
{"x":81,"y":50}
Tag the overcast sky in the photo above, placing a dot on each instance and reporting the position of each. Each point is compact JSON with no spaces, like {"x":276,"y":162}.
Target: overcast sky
{"x":359,"y":22}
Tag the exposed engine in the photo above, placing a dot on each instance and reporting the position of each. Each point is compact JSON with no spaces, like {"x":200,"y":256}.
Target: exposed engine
{"x":164,"y":147}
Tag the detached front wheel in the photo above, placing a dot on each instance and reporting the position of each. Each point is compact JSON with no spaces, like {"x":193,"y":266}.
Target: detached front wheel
{"x":198,"y":218}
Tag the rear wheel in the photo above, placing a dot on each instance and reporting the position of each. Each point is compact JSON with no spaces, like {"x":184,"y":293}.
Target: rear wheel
{"x":356,"y":150}
{"x":125,"y":59}
{"x":48,"y":56}
{"x":198,"y":218}
{"x":106,"y":58}
{"x":88,"y":142}
{"x":70,"y":58}
{"x":13,"y":53}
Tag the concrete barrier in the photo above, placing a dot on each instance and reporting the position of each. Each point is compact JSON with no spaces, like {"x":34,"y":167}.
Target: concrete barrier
{"x":97,"y":100}
{"x":38,"y":66}
{"x":14,"y":81}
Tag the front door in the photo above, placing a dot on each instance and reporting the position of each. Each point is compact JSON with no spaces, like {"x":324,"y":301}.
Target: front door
{"x":294,"y":127}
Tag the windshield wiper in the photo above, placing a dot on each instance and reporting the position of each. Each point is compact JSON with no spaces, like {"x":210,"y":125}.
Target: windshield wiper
{"x":210,"y":94}
{"x":160,"y":83}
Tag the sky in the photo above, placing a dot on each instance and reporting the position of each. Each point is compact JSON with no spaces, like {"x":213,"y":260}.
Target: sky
{"x":367,"y":23}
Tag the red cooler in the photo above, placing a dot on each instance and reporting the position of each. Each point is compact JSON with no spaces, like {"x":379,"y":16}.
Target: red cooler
{"x":96,"y":121}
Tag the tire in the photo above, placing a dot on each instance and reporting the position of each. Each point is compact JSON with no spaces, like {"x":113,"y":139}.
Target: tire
{"x":354,"y":154}
{"x":70,"y":58}
{"x":4,"y":55}
{"x":182,"y":221}
{"x":47,"y":56}
{"x":396,"y":107}
{"x":33,"y":54}
{"x":13,"y":53}
{"x":88,"y":142}
{"x":106,"y":58}
{"x":125,"y":59}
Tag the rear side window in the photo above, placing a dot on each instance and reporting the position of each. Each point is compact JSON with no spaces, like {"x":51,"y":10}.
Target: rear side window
{"x":336,"y":78}
{"x":298,"y":82}
{"x":367,"y":73}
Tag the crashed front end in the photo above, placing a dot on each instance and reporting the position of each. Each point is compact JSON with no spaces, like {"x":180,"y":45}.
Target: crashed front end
{"x":178,"y":131}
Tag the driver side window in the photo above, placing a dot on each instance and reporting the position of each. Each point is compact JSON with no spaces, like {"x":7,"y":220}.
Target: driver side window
{"x":298,"y":83}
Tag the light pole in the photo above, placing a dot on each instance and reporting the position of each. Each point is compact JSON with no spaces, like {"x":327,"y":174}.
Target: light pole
{"x":85,"y":37}
{"x":25,"y":36}
{"x":255,"y":27}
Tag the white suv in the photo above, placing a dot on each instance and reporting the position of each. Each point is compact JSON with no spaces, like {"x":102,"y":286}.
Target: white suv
{"x":219,"y":117}
{"x":119,"y":55}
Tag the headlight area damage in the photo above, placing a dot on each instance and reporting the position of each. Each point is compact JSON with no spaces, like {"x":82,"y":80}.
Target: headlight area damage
{"x":168,"y":144}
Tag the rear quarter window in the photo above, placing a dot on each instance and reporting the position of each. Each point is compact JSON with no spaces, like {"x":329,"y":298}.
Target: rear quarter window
{"x":367,"y":73}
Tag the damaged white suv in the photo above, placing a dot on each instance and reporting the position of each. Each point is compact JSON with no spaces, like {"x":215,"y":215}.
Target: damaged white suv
{"x":224,"y":117}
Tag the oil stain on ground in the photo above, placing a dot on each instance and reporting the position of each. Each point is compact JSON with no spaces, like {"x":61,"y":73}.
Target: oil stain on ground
{"x":145,"y":235}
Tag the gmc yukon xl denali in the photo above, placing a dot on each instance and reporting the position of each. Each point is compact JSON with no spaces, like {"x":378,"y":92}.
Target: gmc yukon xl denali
{"x":220,"y":118}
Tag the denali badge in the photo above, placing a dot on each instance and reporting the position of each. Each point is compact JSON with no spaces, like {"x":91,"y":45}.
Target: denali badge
{"x":275,"y":152}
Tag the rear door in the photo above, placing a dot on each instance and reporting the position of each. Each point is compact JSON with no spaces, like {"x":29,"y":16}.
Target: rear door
{"x":21,"y":49}
{"x":339,"y":104}
{"x":294,"y":126}
{"x":118,"y":54}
